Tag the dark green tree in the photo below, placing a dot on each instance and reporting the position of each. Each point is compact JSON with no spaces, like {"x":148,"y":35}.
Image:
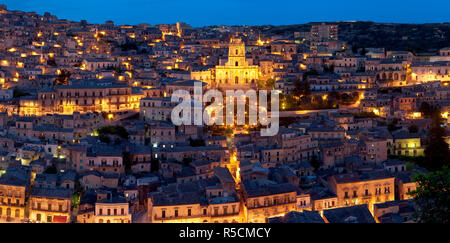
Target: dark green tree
{"x":154,"y":165}
{"x":426,"y":109}
{"x":51,"y":170}
{"x":270,"y":83}
{"x":413,"y":129}
{"x":437,"y":153}
{"x":187,"y":160}
{"x":196,"y":142}
{"x":432,"y":196}
{"x":63,"y":77}
{"x":315,"y":163}
{"x":126,"y":158}
{"x":363,"y":51}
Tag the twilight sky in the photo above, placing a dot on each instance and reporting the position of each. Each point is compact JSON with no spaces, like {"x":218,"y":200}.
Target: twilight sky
{"x":238,"y":12}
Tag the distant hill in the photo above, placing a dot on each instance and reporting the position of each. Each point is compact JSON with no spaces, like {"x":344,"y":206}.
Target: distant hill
{"x":411,"y":37}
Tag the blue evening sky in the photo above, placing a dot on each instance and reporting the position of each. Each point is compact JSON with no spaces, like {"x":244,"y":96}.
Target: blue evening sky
{"x":239,"y":12}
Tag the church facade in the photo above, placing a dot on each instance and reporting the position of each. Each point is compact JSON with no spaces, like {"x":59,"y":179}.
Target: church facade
{"x":236,"y":73}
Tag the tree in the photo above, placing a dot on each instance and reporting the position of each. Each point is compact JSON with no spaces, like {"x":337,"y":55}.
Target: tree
{"x":51,"y":62}
{"x":354,"y":48}
{"x":392,"y":126}
{"x":154,"y":165}
{"x":363,"y":51}
{"x":51,"y":170}
{"x":196,"y":142}
{"x":302,"y":87}
{"x":270,"y":83}
{"x":126,"y":158}
{"x":413,"y":129}
{"x":18,"y":93}
{"x":315,"y":162}
{"x":432,"y":196}
{"x":426,"y":109}
{"x":437,"y":153}
{"x":187,"y":160}
{"x":63,"y":77}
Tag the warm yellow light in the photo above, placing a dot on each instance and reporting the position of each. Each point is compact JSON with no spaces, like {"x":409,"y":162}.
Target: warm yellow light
{"x":417,"y":114}
{"x":376,"y":112}
{"x":444,"y":114}
{"x":110,"y":116}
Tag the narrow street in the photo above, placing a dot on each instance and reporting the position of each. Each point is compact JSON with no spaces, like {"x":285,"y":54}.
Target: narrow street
{"x":234,"y":168}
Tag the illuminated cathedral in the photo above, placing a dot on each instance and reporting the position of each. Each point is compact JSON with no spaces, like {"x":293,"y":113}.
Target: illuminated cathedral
{"x":235,"y":74}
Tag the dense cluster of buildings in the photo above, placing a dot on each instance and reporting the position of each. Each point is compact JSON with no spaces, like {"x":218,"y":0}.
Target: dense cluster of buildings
{"x":63,"y":81}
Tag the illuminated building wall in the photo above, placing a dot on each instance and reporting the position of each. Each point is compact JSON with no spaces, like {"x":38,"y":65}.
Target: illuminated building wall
{"x":425,"y":72}
{"x":194,"y":213}
{"x":353,"y":190}
{"x":12,"y":203}
{"x":69,"y":99}
{"x":237,"y":71}
{"x":50,"y":208}
{"x":260,"y":208}
{"x":404,"y":188}
{"x":107,"y":212}
{"x":408,"y":147}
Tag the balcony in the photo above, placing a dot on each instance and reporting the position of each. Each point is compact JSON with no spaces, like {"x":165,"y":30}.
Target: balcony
{"x":11,"y":204}
{"x":272,"y":205}
{"x":47,"y":210}
{"x":225,"y":215}
{"x":179,"y":217}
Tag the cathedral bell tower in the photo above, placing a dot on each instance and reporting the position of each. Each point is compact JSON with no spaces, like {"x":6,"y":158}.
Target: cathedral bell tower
{"x":236,"y":53}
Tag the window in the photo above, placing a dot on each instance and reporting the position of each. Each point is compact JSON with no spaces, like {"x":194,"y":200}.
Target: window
{"x":122,"y":211}
{"x":176,"y":212}
{"x":49,"y":219}
{"x":163,"y":214}
{"x":204,"y":211}
{"x":38,"y":217}
{"x":189,"y":212}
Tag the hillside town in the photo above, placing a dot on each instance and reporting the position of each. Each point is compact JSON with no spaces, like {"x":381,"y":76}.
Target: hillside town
{"x":86,"y":134}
